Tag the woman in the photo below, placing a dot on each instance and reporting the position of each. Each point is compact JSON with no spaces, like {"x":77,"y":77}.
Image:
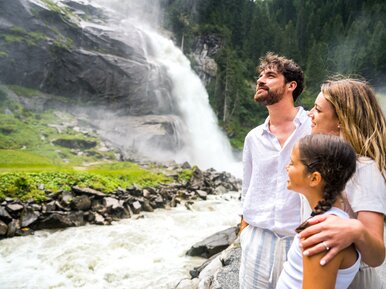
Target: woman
{"x":319,"y":169}
{"x":349,"y":108}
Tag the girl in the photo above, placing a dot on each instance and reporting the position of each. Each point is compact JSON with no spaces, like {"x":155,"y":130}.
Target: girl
{"x":319,"y":169}
{"x":348,"y":108}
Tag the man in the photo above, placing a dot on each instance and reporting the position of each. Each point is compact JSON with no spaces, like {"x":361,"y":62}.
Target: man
{"x":272,"y":211}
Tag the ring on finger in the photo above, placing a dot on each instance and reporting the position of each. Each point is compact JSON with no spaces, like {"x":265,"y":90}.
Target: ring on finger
{"x":325,"y":246}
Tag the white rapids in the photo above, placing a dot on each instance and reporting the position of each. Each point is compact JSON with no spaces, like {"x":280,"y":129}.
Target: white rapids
{"x":132,"y":254}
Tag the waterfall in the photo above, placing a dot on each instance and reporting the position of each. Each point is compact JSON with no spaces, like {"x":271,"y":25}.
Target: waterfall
{"x":197,"y":137}
{"x":208,"y":146}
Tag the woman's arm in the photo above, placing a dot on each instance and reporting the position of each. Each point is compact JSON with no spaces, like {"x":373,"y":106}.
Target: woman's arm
{"x":318,"y":277}
{"x":366,"y":233}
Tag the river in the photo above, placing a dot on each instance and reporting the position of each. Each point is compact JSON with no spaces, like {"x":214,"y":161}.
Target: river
{"x":148,"y":252}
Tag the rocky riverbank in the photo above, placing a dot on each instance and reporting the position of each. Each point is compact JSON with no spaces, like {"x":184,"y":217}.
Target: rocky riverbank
{"x":80,"y":206}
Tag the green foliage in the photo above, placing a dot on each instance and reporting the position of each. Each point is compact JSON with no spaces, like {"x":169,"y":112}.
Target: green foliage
{"x":185,"y":175}
{"x":107,"y":178}
{"x":63,"y":43}
{"x":61,"y":10}
{"x":22,"y":159}
{"x":24,"y":91}
{"x":18,"y":34}
{"x":35,"y":134}
{"x":325,"y":38}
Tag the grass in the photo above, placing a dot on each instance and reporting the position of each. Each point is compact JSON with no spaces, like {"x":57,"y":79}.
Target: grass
{"x":24,"y":91}
{"x":35,"y":180}
{"x":33,"y":163}
{"x":26,"y":185}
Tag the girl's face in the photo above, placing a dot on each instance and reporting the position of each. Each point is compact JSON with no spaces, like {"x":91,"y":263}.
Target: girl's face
{"x":323,"y":117}
{"x":297,"y":176}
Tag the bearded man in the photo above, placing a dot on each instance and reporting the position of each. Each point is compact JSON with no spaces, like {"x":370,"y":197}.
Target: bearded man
{"x":270,"y":211}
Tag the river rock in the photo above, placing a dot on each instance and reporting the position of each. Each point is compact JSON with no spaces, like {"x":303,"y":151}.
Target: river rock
{"x":146,"y":206}
{"x":13,"y":227}
{"x":227,"y":276}
{"x":49,"y":207}
{"x":214,"y":243}
{"x":136,"y":207}
{"x":4,"y":215}
{"x":81,"y":203}
{"x":85,"y":205}
{"x":3,"y":228}
{"x":87,"y":191}
{"x":99,"y":220}
{"x":55,"y":220}
{"x":202,"y":194}
{"x":14,"y":208}
{"x":28,"y":216}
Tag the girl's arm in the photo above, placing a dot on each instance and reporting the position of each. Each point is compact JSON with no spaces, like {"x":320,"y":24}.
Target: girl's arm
{"x":366,"y":233}
{"x":318,"y":277}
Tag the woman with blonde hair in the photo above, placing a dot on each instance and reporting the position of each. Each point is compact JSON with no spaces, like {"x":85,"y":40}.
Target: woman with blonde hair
{"x":348,"y":108}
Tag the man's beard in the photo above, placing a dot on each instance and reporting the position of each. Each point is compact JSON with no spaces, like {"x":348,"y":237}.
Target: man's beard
{"x":272,"y":97}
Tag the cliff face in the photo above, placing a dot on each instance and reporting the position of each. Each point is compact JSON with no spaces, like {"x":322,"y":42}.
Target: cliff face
{"x":131,"y":83}
{"x":47,"y":47}
{"x":68,"y":51}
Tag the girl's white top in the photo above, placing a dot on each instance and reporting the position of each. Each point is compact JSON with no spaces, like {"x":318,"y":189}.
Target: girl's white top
{"x":291,"y":276}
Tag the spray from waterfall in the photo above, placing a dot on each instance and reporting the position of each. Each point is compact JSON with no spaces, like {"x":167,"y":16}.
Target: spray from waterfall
{"x":200,"y":140}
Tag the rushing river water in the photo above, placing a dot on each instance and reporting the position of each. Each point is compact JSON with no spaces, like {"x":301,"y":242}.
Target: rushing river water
{"x":148,"y":252}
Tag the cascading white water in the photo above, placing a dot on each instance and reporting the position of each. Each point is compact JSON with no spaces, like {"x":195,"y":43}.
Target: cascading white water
{"x":202,"y":141}
{"x":148,"y":253}
{"x":208,"y":146}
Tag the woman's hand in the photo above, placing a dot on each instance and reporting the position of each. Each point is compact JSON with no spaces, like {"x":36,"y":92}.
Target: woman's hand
{"x":330,"y":234}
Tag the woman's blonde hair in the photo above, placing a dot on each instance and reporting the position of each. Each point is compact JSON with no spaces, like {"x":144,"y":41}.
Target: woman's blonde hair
{"x":361,"y":119}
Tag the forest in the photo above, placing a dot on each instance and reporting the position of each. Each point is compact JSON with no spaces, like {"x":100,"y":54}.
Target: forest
{"x":325,"y":37}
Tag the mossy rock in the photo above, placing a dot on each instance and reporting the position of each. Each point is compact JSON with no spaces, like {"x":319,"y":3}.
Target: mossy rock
{"x":75,"y":143}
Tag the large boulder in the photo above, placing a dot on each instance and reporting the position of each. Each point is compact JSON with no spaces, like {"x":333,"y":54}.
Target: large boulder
{"x":214,"y":243}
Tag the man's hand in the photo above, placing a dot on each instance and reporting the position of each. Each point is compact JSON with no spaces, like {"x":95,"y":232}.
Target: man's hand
{"x":328,"y":233}
{"x":243,"y":224}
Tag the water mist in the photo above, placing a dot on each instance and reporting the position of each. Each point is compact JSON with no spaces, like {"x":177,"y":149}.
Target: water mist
{"x":197,"y":137}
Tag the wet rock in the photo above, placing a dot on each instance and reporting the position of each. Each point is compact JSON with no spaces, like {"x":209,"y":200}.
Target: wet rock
{"x":134,"y":191}
{"x":214,"y":243}
{"x":13,"y":226}
{"x":28,"y":216}
{"x":227,"y":276}
{"x":146,"y":206}
{"x":4,"y":215}
{"x":66,"y":199}
{"x":87,"y":191}
{"x":76,"y":143}
{"x":202,"y":194}
{"x":159,"y":202}
{"x":81,"y":203}
{"x":3,"y":228}
{"x":14,"y":208}
{"x":54,"y":221}
{"x":99,"y":219}
{"x":136,"y":207}
{"x":187,"y":284}
{"x":49,"y":207}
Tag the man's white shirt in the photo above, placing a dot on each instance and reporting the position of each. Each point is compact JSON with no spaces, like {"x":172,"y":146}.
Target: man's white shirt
{"x":266,"y":201}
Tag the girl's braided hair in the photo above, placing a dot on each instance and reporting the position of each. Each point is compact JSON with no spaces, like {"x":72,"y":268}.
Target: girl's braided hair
{"x":334,"y":159}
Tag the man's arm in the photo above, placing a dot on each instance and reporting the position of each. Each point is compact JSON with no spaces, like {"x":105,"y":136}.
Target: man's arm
{"x":366,"y":233}
{"x":247,"y":172}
